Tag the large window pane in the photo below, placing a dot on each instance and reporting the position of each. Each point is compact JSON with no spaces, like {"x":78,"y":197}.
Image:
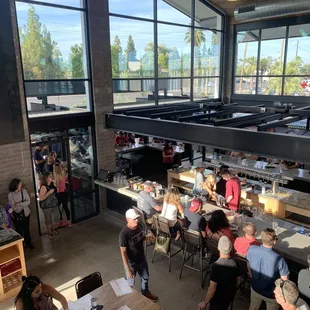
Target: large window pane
{"x":271,"y":86}
{"x":298,"y":60}
{"x":173,"y":90}
{"x":206,"y":17}
{"x":297,"y":86}
{"x":73,"y":3}
{"x":272,"y":51}
{"x":206,"y":88}
{"x":51,"y":98}
{"x":174,"y":51}
{"x":133,"y":91}
{"x":174,"y":11}
{"x":247,"y":50}
{"x":132,"y":48}
{"x":207,"y":53}
{"x":135,"y":8}
{"x":52,"y":42}
{"x":245,"y":85}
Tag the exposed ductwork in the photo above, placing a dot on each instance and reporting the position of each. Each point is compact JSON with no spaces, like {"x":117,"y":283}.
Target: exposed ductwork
{"x":271,"y":8}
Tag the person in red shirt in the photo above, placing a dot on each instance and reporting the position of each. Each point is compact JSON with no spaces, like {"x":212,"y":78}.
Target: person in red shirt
{"x":242,"y":244}
{"x":168,"y":156}
{"x":233,"y":190}
{"x":120,"y":139}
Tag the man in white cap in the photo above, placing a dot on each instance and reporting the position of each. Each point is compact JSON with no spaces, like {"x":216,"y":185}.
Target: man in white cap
{"x":131,"y":240}
{"x":224,"y":279}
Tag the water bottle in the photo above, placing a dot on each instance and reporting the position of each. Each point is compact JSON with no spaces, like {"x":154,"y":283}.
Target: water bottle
{"x":302,"y":230}
{"x":263,"y":189}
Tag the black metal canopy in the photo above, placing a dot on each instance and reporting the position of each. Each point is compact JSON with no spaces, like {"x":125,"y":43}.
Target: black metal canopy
{"x":229,"y":127}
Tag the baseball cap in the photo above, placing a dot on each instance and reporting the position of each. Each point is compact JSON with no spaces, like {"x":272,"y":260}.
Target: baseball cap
{"x":132,"y":214}
{"x":195,"y":205}
{"x":224,"y":245}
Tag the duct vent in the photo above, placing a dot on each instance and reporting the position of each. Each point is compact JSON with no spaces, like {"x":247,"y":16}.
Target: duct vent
{"x":246,"y":9}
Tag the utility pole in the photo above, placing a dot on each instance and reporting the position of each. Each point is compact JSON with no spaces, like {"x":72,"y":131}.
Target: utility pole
{"x":242,"y":68}
{"x":297,"y":48}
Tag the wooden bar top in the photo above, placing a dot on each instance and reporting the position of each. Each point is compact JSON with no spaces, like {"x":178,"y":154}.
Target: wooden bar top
{"x":134,"y":300}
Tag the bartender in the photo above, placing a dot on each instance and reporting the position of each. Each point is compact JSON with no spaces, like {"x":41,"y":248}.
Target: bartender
{"x":233,"y":190}
{"x":199,"y":179}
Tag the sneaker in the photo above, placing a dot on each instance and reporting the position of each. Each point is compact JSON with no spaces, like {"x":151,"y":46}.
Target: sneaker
{"x":151,"y":296}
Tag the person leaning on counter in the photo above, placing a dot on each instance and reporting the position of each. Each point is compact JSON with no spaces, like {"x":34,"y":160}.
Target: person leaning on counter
{"x":147,"y":203}
{"x":199,"y":179}
{"x":233,"y":190}
{"x":210,"y":186}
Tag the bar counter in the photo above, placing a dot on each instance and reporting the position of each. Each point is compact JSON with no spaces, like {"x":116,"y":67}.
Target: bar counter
{"x":291,"y":244}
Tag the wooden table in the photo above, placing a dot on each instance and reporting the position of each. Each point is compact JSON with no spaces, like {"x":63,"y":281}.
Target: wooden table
{"x":134,"y":300}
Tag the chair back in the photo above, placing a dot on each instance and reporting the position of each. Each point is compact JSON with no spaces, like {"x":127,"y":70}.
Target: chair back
{"x":242,"y":264}
{"x":212,"y":246}
{"x":162,"y":225}
{"x":192,"y":237}
{"x":88,"y":284}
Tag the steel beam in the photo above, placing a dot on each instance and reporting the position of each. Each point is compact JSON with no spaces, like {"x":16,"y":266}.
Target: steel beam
{"x":280,"y":123}
{"x":202,"y":116}
{"x":150,"y":110}
{"x":274,"y":145}
{"x":175,"y":113}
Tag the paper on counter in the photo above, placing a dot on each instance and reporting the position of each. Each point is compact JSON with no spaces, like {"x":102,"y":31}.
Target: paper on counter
{"x":82,"y":303}
{"x":120,"y":287}
{"x":124,"y":308}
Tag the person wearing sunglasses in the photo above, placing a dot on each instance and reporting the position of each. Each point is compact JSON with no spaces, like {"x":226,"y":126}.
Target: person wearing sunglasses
{"x":286,"y":294}
{"x":266,"y":266}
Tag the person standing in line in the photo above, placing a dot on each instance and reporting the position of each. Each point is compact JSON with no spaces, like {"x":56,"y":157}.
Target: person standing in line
{"x":38,"y":159}
{"x":224,"y":279}
{"x":199,"y":179}
{"x":49,"y":203}
{"x":61,"y":181}
{"x":131,"y":240}
{"x":233,"y":190}
{"x":19,"y":201}
{"x":286,"y":294}
{"x":266,"y":266}
{"x":242,"y":244}
{"x":168,"y":157}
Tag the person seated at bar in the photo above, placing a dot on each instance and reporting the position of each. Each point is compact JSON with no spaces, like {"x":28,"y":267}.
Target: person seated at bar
{"x":147,"y":203}
{"x":218,"y":226}
{"x":304,"y":281}
{"x":242,"y":244}
{"x":199,"y":179}
{"x":286,"y":294}
{"x":224,"y":279}
{"x":171,"y":208}
{"x":35,"y":295}
{"x":168,"y":156}
{"x":193,"y":218}
{"x":221,"y":183}
{"x":233,"y":190}
{"x":266,"y":266}
{"x":210,"y":186}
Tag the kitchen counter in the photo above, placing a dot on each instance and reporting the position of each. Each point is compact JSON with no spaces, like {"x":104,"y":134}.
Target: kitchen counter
{"x":155,"y":146}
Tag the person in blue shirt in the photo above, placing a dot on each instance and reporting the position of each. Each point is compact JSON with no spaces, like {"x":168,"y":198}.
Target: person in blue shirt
{"x":266,"y":267}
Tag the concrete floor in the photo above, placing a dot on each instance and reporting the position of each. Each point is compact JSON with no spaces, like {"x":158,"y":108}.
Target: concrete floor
{"x":93,"y":246}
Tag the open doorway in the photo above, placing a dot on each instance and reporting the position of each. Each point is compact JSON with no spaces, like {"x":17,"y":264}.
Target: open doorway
{"x":74,"y":151}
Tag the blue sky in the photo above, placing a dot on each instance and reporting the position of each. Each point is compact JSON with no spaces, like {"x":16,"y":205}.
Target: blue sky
{"x":65,"y":25}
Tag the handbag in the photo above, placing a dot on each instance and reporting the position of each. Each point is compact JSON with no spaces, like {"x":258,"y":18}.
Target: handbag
{"x":162,"y":243}
{"x":50,"y":202}
{"x":21,"y":215}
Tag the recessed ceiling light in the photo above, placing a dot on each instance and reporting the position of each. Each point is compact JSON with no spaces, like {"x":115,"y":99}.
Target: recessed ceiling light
{"x":232,"y":0}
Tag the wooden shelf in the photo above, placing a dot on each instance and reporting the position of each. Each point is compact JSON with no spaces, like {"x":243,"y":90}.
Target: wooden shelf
{"x":13,"y":288}
{"x":9,"y":254}
{"x":18,"y":270}
{"x":182,"y":186}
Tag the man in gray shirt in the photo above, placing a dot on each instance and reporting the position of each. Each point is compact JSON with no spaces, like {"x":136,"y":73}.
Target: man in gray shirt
{"x":304,"y":280}
{"x":147,"y":203}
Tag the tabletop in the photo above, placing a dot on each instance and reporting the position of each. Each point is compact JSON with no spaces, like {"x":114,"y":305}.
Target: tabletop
{"x":134,"y":300}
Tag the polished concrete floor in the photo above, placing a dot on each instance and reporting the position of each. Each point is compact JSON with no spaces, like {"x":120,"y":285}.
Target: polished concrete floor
{"x":93,"y":246}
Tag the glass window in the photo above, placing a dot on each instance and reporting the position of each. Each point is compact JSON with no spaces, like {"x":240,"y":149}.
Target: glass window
{"x":206,"y":17}
{"x":207,"y":53}
{"x":174,"y":11}
{"x":247,"y":50}
{"x":206,"y":88}
{"x":61,"y":97}
{"x":52,"y":42}
{"x":174,"y":51}
{"x":297,"y":86}
{"x":173,"y":90}
{"x":245,"y":85}
{"x":133,"y":91}
{"x":137,"y":8}
{"x":73,"y":3}
{"x":271,"y":86}
{"x":132,"y":48}
{"x":272,"y":51}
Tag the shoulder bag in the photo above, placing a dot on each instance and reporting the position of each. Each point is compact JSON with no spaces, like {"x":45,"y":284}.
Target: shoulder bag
{"x":50,"y":202}
{"x":21,"y":215}
{"x":163,"y":240}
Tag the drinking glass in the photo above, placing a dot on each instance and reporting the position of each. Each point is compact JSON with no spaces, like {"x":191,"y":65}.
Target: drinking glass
{"x":275,"y":226}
